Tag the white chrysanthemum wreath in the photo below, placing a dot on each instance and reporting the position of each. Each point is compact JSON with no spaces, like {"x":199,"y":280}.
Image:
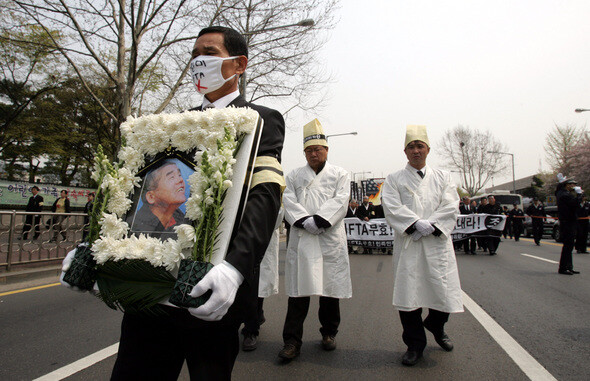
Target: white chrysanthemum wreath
{"x":215,"y":134}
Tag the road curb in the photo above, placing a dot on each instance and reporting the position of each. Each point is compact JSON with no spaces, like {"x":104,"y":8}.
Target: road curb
{"x":21,"y":276}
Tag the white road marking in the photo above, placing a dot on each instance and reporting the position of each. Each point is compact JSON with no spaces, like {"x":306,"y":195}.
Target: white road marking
{"x":519,"y":355}
{"x":539,"y":258}
{"x":79,"y":365}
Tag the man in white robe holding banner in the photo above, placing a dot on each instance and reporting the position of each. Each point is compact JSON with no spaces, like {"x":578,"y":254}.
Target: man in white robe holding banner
{"x":421,"y":205}
{"x":315,"y":202}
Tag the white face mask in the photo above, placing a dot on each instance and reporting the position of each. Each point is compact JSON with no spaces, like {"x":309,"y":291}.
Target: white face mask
{"x":206,"y":73}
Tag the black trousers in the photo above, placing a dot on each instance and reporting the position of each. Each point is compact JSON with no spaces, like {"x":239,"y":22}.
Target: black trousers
{"x":414,"y":335}
{"x":483,"y":243}
{"x":537,"y":229}
{"x":568,"y":236}
{"x":254,"y":319}
{"x":29,"y":223}
{"x":469,"y":245}
{"x":492,"y":243}
{"x":155,"y":347}
{"x":582,"y":236}
{"x":517,"y":230}
{"x":329,"y":315}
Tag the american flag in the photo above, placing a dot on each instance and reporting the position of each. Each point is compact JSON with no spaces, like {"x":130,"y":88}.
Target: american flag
{"x":372,"y":187}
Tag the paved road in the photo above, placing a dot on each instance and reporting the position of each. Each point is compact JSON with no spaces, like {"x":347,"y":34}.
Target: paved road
{"x":546,"y":313}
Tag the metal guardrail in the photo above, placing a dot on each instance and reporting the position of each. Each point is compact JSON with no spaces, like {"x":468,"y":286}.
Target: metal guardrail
{"x":29,"y":238}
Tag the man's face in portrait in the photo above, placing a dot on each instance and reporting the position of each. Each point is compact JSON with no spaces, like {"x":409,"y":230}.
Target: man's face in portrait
{"x":168,"y":188}
{"x":34,"y":191}
{"x":416,"y":152}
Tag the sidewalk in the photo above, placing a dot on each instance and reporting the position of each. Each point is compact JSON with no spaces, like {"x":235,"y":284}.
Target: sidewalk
{"x":15,"y":280}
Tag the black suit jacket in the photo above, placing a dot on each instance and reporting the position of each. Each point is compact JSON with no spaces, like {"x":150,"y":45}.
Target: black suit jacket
{"x":248,"y":246}
{"x":463,"y":209}
{"x":362,"y":211}
{"x":34,"y":204}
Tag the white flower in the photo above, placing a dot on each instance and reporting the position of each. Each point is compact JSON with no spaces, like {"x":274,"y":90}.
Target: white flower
{"x":127,"y":181}
{"x":186,"y":235}
{"x":119,"y":203}
{"x":132,"y":158}
{"x":227,"y":184}
{"x":113,"y":227}
{"x":109,"y":182}
{"x":193,"y":209}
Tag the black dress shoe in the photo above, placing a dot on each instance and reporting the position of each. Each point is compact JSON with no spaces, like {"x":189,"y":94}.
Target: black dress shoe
{"x":289,"y":352}
{"x":411,"y":358}
{"x":566,"y":272}
{"x":250,"y":343}
{"x":441,"y":339}
{"x":574,"y":272}
{"x":444,"y":341}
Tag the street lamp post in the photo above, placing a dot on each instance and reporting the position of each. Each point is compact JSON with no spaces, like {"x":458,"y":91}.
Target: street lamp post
{"x":461,"y":144}
{"x":513,"y":177}
{"x":345,"y":133}
{"x":247,"y":35}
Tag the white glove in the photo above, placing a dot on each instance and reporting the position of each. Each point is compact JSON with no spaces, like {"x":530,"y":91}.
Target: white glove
{"x":578,"y":190}
{"x":416,"y":235}
{"x":224,"y":280}
{"x":65,"y":265}
{"x":310,"y":226}
{"x":424,"y":227}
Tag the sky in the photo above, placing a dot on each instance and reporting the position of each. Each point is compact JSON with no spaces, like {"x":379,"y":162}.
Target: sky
{"x":516,"y":68}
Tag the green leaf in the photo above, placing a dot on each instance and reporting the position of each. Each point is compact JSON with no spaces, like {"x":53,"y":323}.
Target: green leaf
{"x":134,"y":285}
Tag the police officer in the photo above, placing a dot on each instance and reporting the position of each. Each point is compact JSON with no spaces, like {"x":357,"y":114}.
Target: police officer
{"x":582,"y":235}
{"x":517,"y":217}
{"x":567,"y":207}
{"x":537,"y":213}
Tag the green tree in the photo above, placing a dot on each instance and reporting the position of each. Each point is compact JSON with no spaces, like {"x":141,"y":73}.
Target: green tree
{"x":536,"y":189}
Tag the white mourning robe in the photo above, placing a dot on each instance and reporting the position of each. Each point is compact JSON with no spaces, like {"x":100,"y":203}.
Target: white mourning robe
{"x":269,"y":267}
{"x":317,"y":264}
{"x":425,"y":271}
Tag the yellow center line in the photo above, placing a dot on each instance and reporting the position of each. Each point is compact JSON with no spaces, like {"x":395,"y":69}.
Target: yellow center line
{"x":542,"y":242}
{"x":29,"y":289}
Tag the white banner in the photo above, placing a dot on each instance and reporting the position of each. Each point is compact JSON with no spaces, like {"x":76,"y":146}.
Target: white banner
{"x":372,"y":233}
{"x":478,"y":225}
{"x":377,"y":233}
